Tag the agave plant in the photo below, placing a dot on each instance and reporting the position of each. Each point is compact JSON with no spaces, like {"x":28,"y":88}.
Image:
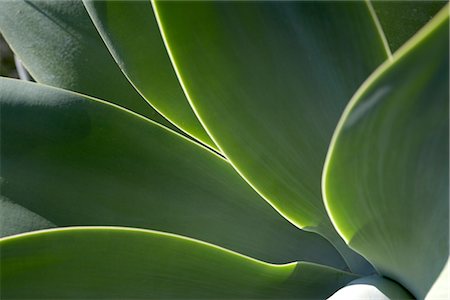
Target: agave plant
{"x":233,"y":150}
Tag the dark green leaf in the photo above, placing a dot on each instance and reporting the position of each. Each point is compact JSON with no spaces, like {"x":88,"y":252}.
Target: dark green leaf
{"x":130,"y":31}
{"x":60,"y":46}
{"x":77,"y":161}
{"x":276,"y":75}
{"x":270,"y":80}
{"x":400,"y":20}
{"x":386,"y":177}
{"x":121,"y":263}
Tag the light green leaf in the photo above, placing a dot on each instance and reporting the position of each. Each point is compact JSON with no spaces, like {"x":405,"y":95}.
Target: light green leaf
{"x":386,"y":178}
{"x":130,"y":31}
{"x":400,"y":20}
{"x":123,"y":263}
{"x":371,"y":288}
{"x":77,"y":161}
{"x":265,"y":70}
{"x":270,"y":80}
{"x":60,"y":46}
{"x":16,"y":219}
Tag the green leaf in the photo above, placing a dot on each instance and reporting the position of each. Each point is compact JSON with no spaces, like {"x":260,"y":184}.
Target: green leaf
{"x":60,"y":46}
{"x":372,"y":287}
{"x":386,"y":178}
{"x":79,"y":161}
{"x":270,"y":80}
{"x":16,"y":219}
{"x":276,"y":75}
{"x":130,"y":31}
{"x":123,"y":263}
{"x":400,"y":20}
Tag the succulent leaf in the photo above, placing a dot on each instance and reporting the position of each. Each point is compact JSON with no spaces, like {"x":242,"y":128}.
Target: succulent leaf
{"x":270,"y":80}
{"x":144,"y":59}
{"x":386,"y":177}
{"x":75,"y":160}
{"x":124,"y":263}
{"x":59,"y":46}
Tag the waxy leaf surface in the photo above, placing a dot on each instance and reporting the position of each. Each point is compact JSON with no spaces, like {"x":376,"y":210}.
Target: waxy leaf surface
{"x":386,"y":177}
{"x":130,"y":31}
{"x":270,"y":80}
{"x":121,"y":263}
{"x":77,"y":161}
{"x":60,"y":46}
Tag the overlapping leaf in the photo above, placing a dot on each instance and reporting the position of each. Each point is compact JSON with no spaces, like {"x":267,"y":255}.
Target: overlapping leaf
{"x":386,"y":178}
{"x":400,"y":20}
{"x":270,"y":80}
{"x":77,"y":161}
{"x":121,"y":263}
{"x":276,"y":75}
{"x":60,"y":46}
{"x":130,"y":30}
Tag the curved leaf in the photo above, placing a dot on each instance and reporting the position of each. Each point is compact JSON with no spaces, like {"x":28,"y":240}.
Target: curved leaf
{"x":130,"y":31}
{"x":372,"y":287}
{"x":77,"y":161}
{"x":60,"y":46}
{"x":273,"y":60}
{"x":270,"y":80}
{"x":386,"y":177}
{"x":400,"y":20}
{"x":123,"y":263}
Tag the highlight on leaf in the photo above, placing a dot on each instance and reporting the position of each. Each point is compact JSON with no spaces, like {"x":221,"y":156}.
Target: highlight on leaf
{"x":224,"y":149}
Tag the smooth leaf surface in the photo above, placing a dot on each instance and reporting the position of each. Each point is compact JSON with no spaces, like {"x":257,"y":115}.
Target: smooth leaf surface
{"x":121,"y":263}
{"x":386,"y":177}
{"x":60,"y":46}
{"x":270,"y":80}
{"x":400,"y":20}
{"x":371,"y":288}
{"x":130,"y":31}
{"x":78,"y":161}
{"x":266,"y":71}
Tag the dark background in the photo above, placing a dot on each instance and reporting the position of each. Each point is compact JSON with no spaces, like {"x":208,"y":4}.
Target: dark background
{"x":7,"y":66}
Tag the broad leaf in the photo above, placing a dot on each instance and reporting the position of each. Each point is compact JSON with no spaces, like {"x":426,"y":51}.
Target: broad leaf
{"x":386,"y":177}
{"x":60,"y":46}
{"x":121,"y":263}
{"x":266,"y":72}
{"x":130,"y":31}
{"x":400,"y":20}
{"x":270,"y":80}
{"x":78,"y":161}
{"x":372,"y":287}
